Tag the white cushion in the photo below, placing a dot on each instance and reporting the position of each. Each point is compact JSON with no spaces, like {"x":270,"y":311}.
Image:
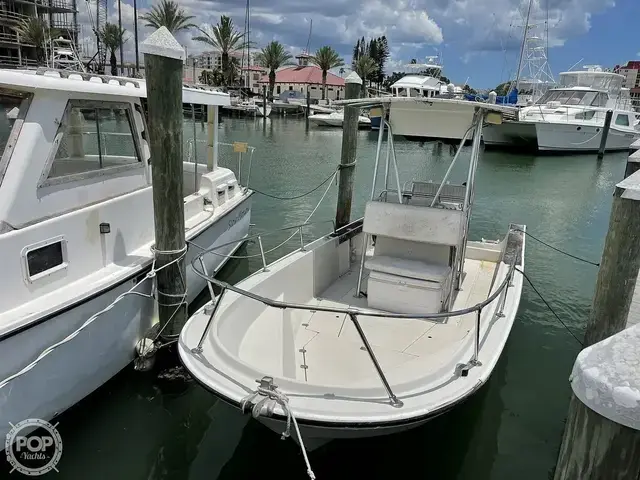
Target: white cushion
{"x":408,"y":268}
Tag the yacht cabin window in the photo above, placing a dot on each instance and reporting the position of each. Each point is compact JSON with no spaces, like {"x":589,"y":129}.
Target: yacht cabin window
{"x":13,"y":108}
{"x":94,"y":137}
{"x":573,"y":97}
{"x":622,"y":119}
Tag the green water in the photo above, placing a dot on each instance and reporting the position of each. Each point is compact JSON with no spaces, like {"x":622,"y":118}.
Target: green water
{"x":141,"y":427}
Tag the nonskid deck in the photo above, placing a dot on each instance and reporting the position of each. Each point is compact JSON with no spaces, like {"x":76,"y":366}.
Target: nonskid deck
{"x":325,"y":348}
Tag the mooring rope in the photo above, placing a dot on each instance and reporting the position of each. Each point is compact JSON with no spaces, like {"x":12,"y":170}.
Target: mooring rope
{"x":281,"y":399}
{"x":559,"y":250}
{"x":295,"y":197}
{"x":182,"y":253}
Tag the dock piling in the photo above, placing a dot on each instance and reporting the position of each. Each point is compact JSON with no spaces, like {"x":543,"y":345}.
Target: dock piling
{"x":264,"y":101}
{"x":605,"y":134}
{"x":163,"y":60}
{"x":348,"y":153}
{"x":599,"y":441}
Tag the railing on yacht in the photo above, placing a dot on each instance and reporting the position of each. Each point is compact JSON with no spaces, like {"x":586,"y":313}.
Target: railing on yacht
{"x":198,"y":264}
{"x":226,"y":154}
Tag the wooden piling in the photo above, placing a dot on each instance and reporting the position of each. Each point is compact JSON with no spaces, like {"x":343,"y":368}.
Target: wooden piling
{"x":307,"y":112}
{"x":599,"y":444}
{"x":619,"y":265}
{"x":633,"y":162}
{"x":163,"y":61}
{"x":605,"y":134}
{"x":348,"y":154}
{"x":264,"y":101}
{"x":602,"y":434}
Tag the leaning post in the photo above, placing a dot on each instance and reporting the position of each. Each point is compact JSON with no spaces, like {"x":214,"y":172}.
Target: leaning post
{"x":348,"y":155}
{"x":163,"y":62}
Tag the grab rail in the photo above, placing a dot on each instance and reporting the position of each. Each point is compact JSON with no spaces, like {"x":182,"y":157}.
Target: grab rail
{"x":353,"y":313}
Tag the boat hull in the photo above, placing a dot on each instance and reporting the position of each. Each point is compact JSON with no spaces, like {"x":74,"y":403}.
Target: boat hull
{"x":555,"y":137}
{"x":106,"y":346}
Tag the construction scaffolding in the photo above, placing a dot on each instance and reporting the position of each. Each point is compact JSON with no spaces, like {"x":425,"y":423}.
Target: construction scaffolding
{"x":16,"y":52}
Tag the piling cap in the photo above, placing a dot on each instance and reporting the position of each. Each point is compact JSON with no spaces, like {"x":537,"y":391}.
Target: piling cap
{"x":164,"y":44}
{"x":353,"y":77}
{"x":606,"y":377}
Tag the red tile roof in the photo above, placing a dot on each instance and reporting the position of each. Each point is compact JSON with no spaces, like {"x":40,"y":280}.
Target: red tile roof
{"x":309,"y":75}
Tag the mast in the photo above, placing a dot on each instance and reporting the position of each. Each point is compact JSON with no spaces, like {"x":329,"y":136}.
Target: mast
{"x":524,"y":41}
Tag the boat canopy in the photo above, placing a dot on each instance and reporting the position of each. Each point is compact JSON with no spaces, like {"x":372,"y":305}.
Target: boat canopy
{"x":596,"y":79}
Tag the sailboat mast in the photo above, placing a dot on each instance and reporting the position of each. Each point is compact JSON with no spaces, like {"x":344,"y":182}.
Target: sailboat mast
{"x":524,"y":41}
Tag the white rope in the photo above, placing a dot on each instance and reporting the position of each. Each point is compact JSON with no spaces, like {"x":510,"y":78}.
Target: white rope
{"x":182,"y":252}
{"x":282,"y":400}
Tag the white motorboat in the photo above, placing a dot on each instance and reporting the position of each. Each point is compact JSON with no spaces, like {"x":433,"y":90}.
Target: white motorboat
{"x":77,"y":229}
{"x":571,"y":118}
{"x":373,"y":329}
{"x":335,"y":119}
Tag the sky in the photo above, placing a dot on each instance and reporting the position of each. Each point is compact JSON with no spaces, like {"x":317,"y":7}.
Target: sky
{"x":478,"y":41}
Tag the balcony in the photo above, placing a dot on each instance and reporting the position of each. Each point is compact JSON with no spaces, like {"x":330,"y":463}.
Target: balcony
{"x":53,"y":6}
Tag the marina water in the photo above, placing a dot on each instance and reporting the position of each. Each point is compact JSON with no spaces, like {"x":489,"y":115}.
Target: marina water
{"x":139,"y":426}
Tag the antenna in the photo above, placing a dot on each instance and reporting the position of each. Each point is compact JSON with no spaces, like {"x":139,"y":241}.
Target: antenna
{"x":575,"y":64}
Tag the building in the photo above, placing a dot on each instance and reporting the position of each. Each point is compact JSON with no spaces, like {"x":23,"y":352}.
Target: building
{"x":59,"y":14}
{"x":303,"y":77}
{"x":631,"y":73}
{"x":212,"y":60}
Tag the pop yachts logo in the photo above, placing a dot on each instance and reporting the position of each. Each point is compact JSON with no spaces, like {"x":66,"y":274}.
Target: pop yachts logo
{"x":35,"y":454}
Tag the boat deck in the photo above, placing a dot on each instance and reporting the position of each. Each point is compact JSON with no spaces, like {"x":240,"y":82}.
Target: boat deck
{"x":322,"y":343}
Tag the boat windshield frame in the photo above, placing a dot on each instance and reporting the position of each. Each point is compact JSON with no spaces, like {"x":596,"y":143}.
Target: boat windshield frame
{"x":575,"y":97}
{"x":23,"y":101}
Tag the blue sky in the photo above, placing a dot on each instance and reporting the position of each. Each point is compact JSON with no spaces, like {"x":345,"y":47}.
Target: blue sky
{"x":478,"y":39}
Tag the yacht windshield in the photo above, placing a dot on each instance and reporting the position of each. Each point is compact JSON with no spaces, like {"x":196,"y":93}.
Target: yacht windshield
{"x":574,"y":97}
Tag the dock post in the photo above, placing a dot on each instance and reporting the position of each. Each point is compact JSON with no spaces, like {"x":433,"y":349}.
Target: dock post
{"x":212,"y":131}
{"x":605,"y":134}
{"x":348,"y":153}
{"x":264,"y":101}
{"x":597,"y":444}
{"x":633,"y":162}
{"x":602,"y":434}
{"x":619,"y":265}
{"x":163,"y":61}
{"x":308,"y":110}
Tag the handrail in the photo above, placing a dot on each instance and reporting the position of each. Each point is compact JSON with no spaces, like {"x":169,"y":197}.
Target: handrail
{"x":191,"y":151}
{"x":353,"y":312}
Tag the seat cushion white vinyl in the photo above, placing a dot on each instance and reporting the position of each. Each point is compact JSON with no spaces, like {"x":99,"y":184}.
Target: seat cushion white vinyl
{"x":408,"y":268}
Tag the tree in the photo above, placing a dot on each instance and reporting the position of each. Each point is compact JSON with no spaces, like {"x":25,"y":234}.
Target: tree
{"x":393,"y":78}
{"x":365,"y":67}
{"x":326,"y":58}
{"x":342,"y":70}
{"x":503,"y":88}
{"x":213,"y":78}
{"x":168,"y":14}
{"x":35,"y":31}
{"x":112,"y":36}
{"x":224,"y":37}
{"x":467,"y":89}
{"x":272,"y":57}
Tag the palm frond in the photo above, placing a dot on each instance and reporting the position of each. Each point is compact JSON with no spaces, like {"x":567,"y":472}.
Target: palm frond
{"x":168,"y":13}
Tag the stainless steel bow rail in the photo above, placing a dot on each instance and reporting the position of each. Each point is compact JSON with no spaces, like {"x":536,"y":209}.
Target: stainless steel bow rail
{"x":352,"y":313}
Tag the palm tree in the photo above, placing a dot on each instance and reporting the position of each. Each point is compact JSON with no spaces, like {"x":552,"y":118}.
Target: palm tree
{"x":168,"y":14}
{"x":326,"y":58}
{"x":224,"y":37}
{"x":35,"y":31}
{"x":272,"y":57}
{"x":342,"y":70}
{"x":112,"y":36}
{"x":366,"y":67}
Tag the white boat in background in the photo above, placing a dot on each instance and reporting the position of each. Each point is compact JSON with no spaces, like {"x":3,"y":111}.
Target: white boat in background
{"x":375,"y":328}
{"x":335,"y":119}
{"x":77,"y":229}
{"x":571,"y":118}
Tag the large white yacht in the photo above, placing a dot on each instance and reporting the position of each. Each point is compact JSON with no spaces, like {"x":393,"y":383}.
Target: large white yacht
{"x":572,"y":116}
{"x":77,"y":229}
